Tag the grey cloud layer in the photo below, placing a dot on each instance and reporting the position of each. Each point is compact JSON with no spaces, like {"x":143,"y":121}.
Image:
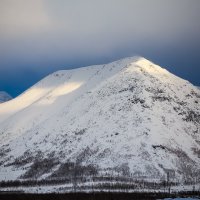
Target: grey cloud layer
{"x":49,"y":27}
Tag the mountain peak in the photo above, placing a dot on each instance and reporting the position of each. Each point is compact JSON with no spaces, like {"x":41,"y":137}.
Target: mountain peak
{"x":126,"y":117}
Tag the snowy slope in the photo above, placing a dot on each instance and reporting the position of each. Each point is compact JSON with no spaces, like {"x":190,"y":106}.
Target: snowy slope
{"x":4,"y":96}
{"x":129,"y":117}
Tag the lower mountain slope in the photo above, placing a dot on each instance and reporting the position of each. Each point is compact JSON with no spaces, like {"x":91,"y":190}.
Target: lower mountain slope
{"x":129,"y":118}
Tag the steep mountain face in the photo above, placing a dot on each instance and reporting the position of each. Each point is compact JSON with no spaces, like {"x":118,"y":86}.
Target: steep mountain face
{"x":4,"y":96}
{"x":130,"y":117}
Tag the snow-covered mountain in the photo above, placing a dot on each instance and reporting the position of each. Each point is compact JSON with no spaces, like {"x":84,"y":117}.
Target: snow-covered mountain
{"x":129,"y":117}
{"x":4,"y":96}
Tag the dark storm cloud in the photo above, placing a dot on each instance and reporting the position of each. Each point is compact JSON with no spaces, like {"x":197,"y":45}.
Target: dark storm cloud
{"x":40,"y":36}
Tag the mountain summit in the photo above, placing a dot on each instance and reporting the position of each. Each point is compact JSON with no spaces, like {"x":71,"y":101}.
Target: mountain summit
{"x":128,"y":118}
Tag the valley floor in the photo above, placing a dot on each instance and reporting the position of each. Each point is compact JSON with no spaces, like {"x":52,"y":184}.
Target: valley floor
{"x":51,"y":186}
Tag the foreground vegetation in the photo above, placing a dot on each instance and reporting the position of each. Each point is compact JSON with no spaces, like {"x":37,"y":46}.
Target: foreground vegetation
{"x":95,"y":196}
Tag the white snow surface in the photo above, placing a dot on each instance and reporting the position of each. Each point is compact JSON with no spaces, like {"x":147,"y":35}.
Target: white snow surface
{"x":4,"y":96}
{"x":130,"y":115}
{"x":189,"y":198}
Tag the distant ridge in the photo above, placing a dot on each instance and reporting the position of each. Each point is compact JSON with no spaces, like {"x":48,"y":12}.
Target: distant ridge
{"x":4,"y":96}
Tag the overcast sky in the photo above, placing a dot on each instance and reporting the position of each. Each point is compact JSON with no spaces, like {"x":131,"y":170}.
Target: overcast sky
{"x":38,"y":37}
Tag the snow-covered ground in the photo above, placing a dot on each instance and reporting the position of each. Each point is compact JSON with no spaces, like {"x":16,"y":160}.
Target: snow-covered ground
{"x":189,"y":198}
